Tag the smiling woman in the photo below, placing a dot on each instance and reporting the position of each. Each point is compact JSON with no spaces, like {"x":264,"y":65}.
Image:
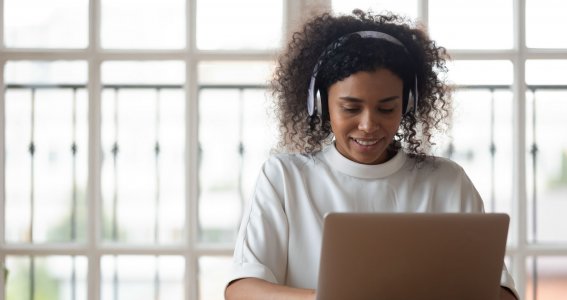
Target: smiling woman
{"x":358,"y":97}
{"x":168,"y":98}
{"x":365,"y":110}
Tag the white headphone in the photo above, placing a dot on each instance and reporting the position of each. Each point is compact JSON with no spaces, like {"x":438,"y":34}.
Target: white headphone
{"x":313,"y":96}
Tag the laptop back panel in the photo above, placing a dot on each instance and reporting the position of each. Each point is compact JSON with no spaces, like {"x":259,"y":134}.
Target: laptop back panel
{"x":412,"y":256}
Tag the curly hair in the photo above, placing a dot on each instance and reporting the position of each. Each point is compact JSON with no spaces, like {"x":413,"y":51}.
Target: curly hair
{"x":302,"y":133}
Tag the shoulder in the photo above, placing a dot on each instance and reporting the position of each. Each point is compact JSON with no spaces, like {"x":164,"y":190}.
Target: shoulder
{"x":435,"y":168}
{"x":445,"y":165}
{"x":453,"y":188}
{"x":290,"y":161}
{"x":436,"y":164}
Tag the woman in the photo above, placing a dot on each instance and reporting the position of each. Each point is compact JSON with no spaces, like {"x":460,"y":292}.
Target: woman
{"x":358,"y":98}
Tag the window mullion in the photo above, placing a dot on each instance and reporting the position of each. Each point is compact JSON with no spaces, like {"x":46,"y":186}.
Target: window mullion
{"x":2,"y":165}
{"x":1,"y":49}
{"x":519,"y":203}
{"x":423,"y":12}
{"x":93,"y":189}
{"x":191,"y":153}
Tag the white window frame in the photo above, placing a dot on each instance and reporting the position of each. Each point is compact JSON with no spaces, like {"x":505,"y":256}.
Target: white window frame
{"x":520,"y":250}
{"x":191,"y":250}
{"x":94,"y":55}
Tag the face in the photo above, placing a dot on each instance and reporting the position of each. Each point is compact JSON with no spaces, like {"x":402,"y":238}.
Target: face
{"x":365,"y":111}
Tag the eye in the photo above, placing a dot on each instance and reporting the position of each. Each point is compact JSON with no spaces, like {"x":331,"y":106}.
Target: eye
{"x":386,"y":110}
{"x":350,"y":109}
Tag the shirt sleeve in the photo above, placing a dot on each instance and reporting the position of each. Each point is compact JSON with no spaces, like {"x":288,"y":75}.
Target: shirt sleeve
{"x":473,"y":203}
{"x":262,"y":243}
{"x":507,"y":281}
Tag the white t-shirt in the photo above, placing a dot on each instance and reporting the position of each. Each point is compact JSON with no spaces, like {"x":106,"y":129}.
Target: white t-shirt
{"x":280,"y":235}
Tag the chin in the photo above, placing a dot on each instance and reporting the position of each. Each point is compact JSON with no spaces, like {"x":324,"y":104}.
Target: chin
{"x":368,"y":161}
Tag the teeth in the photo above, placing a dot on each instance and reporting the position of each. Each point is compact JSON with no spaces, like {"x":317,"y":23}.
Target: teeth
{"x":366,"y":143}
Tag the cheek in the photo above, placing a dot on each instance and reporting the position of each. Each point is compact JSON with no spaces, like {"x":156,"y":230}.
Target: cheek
{"x":335,"y":121}
{"x":393,"y":126}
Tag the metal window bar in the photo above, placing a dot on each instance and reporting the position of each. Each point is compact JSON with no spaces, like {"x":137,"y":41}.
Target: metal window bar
{"x":157,"y":196}
{"x":74,"y":191}
{"x":492,"y":148}
{"x":450,"y":151}
{"x":492,"y":155}
{"x":533,"y":152}
{"x":158,"y":190}
{"x":534,"y":149}
{"x":241,"y":151}
{"x":241,"y":147}
{"x":114,"y":229}
{"x":73,"y":205}
{"x":32,"y":147}
{"x":32,"y":189}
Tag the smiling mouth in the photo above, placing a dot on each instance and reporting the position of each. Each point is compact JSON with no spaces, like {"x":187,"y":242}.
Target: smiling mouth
{"x":365,"y":142}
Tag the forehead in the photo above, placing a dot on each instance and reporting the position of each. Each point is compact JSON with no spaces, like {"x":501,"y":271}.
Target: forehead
{"x":378,"y":83}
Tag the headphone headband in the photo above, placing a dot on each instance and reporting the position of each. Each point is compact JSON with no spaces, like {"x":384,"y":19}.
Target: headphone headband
{"x":312,"y":94}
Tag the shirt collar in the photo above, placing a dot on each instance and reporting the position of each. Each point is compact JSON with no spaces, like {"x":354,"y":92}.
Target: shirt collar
{"x":344,"y":165}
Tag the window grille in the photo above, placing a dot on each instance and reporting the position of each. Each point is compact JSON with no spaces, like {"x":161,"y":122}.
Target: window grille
{"x":73,"y":228}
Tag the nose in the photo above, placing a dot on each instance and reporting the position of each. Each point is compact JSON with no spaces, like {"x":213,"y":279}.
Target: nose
{"x":368,"y":122}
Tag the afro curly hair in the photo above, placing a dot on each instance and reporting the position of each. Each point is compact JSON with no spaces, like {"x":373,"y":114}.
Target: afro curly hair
{"x":420,"y":59}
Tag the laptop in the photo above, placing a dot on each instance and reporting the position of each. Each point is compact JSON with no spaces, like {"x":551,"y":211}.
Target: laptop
{"x":412,"y":256}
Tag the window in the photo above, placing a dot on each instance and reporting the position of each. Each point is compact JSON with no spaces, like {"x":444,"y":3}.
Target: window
{"x":132,"y":133}
{"x":128,"y":149}
{"x":509,"y":99}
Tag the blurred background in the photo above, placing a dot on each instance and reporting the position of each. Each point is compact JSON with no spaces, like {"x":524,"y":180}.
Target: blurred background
{"x":132,"y":132}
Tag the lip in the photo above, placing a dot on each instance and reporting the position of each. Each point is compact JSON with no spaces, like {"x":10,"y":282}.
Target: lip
{"x":365,"y":144}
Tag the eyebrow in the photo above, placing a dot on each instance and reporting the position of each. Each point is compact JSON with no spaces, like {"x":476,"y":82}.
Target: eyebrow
{"x":355,"y":99}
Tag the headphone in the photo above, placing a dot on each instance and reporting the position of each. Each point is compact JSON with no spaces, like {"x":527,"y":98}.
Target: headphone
{"x":314,"y":105}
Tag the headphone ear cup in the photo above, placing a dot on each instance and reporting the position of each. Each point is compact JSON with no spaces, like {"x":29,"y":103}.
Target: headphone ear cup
{"x":318,"y":105}
{"x":412,"y":99}
{"x":410,"y":102}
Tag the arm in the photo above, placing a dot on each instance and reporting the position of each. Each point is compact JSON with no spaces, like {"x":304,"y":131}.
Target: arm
{"x":253,"y":288}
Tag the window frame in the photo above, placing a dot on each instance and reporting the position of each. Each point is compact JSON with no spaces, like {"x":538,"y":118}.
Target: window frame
{"x":94,"y":248}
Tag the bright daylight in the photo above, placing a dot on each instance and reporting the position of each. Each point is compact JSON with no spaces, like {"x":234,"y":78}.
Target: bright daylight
{"x":198,"y":149}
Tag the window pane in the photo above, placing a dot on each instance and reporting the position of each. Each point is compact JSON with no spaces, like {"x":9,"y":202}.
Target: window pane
{"x":239,"y":117}
{"x":46,"y":24}
{"x":143,"y":24}
{"x":406,"y":8}
{"x":547,"y":173}
{"x":463,"y":24}
{"x":46,"y":72}
{"x":550,"y":274}
{"x":49,"y":277}
{"x":232,"y":25}
{"x":543,"y":16}
{"x":482,"y":143}
{"x":143,"y":72}
{"x":480,"y":132}
{"x":234,"y":73}
{"x":473,"y":72}
{"x":546,"y":72}
{"x":46,"y":153}
{"x":236,"y":110}
{"x":142,"y":277}
{"x":220,"y":198}
{"x":213,"y":272}
{"x":143,"y":154}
